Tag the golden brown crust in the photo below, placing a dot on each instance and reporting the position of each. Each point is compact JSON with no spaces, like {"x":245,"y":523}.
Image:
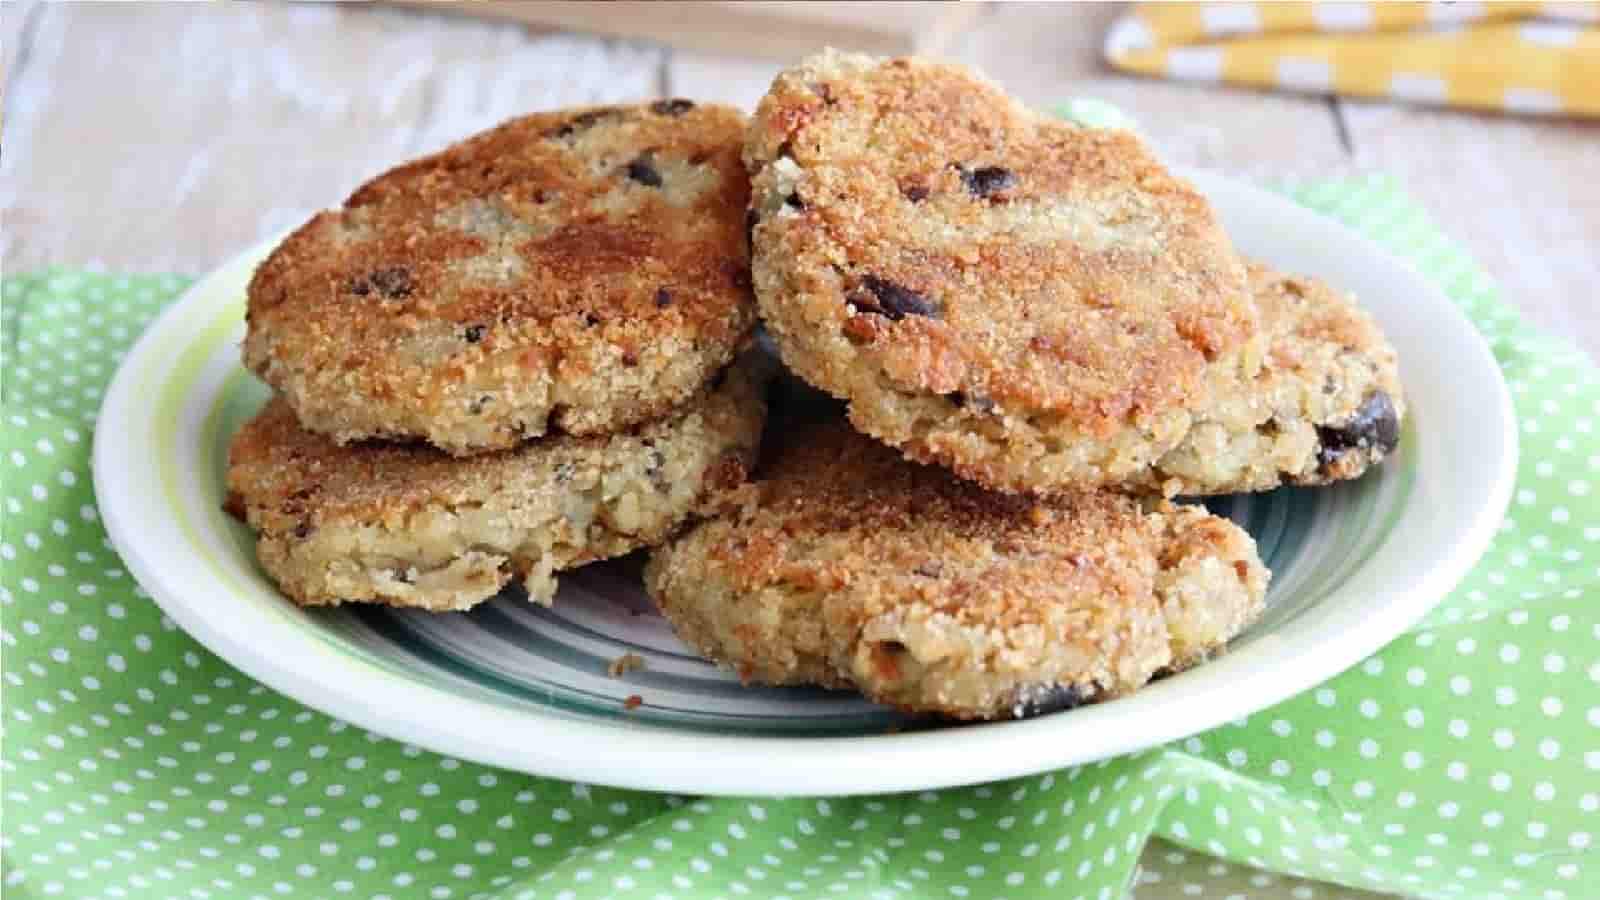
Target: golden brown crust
{"x":1322,"y":403}
{"x":845,"y":565}
{"x":409,"y":525}
{"x":585,"y":269}
{"x":951,"y":263}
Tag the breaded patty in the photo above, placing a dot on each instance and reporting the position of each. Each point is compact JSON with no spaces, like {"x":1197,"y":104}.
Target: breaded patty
{"x":1029,"y":303}
{"x":845,"y":565}
{"x":1322,"y":404}
{"x":584,"y":270}
{"x":409,"y":525}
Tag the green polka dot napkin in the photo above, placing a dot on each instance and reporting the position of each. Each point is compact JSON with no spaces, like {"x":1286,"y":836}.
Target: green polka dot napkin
{"x":1461,"y":761}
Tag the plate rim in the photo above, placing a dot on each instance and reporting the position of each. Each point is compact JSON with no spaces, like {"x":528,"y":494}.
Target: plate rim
{"x":609,"y":753}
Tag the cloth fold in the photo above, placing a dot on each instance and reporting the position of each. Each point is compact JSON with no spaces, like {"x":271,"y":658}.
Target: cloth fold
{"x":1521,"y":57}
{"x":1463,"y":760}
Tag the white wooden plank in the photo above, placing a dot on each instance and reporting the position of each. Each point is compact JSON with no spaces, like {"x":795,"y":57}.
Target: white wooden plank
{"x":771,"y":29}
{"x":254,"y":116}
{"x":479,"y":74}
{"x":1520,"y":193}
{"x":720,"y":78}
{"x":14,"y":18}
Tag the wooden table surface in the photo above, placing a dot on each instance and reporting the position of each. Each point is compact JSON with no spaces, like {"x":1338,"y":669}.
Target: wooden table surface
{"x":167,"y":137}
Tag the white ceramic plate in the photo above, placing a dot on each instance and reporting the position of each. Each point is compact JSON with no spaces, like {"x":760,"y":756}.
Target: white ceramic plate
{"x":522,"y":687}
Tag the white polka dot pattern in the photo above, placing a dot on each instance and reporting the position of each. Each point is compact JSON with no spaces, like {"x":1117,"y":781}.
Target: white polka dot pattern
{"x":1460,"y":761}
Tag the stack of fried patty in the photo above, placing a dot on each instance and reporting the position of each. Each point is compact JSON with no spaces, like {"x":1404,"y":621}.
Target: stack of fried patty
{"x":514,"y":357}
{"x":504,"y":360}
